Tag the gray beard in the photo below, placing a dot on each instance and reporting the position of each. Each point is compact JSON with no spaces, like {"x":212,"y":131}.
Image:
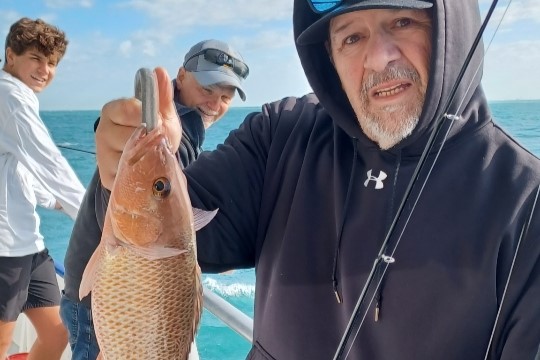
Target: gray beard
{"x":388,"y":138}
{"x":381,"y":126}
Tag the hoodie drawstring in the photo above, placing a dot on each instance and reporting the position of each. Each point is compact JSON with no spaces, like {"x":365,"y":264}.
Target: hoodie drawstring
{"x":378,"y":296}
{"x":335,"y":281}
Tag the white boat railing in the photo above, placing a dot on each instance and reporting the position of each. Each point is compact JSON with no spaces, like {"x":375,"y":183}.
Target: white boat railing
{"x":24,"y":334}
{"x":230,"y":315}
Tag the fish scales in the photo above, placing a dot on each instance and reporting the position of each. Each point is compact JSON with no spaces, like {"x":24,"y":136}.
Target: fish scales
{"x":148,"y":317}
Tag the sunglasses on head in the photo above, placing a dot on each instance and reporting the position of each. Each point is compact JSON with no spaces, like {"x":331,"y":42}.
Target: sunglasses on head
{"x":221,"y":58}
{"x":323,"y":6}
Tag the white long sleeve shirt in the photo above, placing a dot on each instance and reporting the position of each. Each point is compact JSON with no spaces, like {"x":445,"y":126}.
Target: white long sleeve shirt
{"x":32,"y":171}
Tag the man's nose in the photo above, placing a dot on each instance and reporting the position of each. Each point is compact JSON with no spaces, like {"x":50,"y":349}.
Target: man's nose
{"x":214,"y":102}
{"x":382,"y":50}
{"x":44,"y":67}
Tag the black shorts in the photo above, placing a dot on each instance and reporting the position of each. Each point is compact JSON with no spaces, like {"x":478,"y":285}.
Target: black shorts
{"x":27,"y":282}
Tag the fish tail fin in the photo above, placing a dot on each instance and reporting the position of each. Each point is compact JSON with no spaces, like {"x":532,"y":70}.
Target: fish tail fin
{"x":201,"y":218}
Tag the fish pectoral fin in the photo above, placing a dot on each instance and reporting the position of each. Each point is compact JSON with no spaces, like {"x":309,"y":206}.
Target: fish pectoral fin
{"x":201,"y":218}
{"x":90,"y":272}
{"x":155,"y":252}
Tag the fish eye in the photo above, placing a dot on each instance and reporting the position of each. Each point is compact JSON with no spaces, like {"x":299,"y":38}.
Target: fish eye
{"x":161,"y":187}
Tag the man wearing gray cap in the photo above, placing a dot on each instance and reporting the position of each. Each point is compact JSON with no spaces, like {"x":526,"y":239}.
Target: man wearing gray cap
{"x":211,"y":74}
{"x":387,"y":212}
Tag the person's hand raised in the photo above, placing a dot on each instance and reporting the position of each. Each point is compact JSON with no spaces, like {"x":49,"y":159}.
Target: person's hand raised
{"x":119,"y":118}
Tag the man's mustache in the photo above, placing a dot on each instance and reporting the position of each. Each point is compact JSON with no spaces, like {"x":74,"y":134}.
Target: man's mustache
{"x":389,"y":74}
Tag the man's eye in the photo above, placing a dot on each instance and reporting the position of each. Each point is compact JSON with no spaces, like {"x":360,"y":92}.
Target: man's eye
{"x":403,"y":22}
{"x":351,"y":39}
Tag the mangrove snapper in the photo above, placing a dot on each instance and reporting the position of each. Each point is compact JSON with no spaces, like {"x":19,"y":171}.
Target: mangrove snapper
{"x":144,"y":277}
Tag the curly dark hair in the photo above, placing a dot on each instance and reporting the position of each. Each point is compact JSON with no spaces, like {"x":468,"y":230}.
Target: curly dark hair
{"x":26,"y":34}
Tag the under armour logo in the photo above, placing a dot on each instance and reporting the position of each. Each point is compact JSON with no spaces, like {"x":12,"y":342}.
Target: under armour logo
{"x":378,"y":180}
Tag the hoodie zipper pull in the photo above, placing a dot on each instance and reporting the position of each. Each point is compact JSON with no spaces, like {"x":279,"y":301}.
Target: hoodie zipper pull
{"x":377,"y":310}
{"x":338,"y":297}
{"x":336,"y":291}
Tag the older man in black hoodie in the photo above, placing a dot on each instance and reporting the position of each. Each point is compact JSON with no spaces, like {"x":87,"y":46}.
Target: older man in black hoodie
{"x":315,"y":193}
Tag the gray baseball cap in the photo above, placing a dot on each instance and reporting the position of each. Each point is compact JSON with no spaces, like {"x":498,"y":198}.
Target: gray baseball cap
{"x":318,"y":31}
{"x":213,"y":61}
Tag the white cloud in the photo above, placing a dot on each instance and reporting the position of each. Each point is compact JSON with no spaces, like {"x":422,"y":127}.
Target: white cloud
{"x":125,"y":48}
{"x":513,"y":12}
{"x":178,"y":14}
{"x":58,"y":4}
{"x":267,"y":40}
{"x":507,"y":68}
{"x":149,"y":48}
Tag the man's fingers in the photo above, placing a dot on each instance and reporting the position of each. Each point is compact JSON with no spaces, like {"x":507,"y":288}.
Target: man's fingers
{"x":166,"y":106}
{"x":118,"y":120}
{"x":167,"y":109}
{"x":125,"y":112}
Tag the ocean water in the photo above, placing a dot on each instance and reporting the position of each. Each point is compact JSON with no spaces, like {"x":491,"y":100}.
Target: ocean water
{"x":73,"y":133}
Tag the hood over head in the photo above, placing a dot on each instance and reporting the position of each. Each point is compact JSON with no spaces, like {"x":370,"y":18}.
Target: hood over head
{"x":455,"y":24}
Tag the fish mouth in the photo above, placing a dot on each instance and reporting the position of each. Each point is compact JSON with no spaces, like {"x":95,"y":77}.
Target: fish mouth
{"x":143,"y":141}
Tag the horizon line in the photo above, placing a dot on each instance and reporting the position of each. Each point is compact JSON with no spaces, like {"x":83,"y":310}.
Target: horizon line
{"x":258,"y":106}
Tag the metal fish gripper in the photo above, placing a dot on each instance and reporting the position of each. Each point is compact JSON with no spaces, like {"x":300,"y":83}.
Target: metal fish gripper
{"x":146,"y":92}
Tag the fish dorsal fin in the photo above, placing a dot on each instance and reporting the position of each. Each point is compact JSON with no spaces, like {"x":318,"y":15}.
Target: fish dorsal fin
{"x":201,"y":218}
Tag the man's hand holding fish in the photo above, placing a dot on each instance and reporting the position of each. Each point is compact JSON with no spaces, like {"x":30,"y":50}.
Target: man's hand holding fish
{"x":127,"y":113}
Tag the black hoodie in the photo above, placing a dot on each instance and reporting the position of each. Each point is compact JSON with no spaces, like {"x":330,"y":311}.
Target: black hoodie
{"x":301,"y":199}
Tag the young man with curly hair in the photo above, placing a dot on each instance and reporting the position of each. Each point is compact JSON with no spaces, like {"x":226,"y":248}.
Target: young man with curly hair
{"x":32,"y":172}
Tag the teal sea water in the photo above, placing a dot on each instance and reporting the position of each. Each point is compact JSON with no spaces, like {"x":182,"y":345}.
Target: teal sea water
{"x":215,"y":341}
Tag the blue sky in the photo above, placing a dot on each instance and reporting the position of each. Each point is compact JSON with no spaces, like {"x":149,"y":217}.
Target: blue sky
{"x":111,"y":39}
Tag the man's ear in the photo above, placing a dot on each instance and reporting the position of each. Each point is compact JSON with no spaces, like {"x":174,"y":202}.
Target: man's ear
{"x":9,"y":56}
{"x":181,"y":75}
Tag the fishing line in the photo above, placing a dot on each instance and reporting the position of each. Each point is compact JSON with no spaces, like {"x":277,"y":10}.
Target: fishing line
{"x":453,"y":119}
{"x":355,"y":323}
{"x":75,"y":149}
{"x":521,"y":237}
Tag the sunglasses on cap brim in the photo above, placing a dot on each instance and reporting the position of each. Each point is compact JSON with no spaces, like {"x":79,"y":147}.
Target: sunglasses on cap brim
{"x":221,"y":58}
{"x":323,"y":6}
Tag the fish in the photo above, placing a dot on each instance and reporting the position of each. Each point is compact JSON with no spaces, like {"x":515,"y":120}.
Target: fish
{"x":144,"y":276}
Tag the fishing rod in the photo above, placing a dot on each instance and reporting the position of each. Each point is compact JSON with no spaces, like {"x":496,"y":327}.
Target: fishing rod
{"x":355,"y":321}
